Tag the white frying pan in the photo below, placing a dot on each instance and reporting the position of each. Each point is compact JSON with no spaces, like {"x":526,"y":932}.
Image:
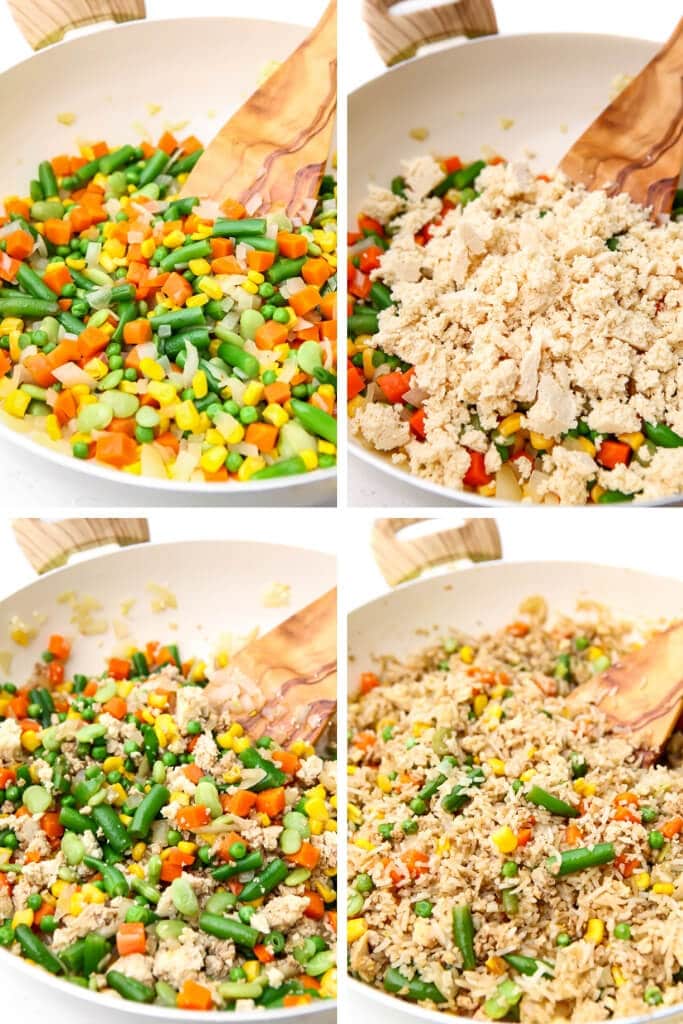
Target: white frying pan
{"x":200,"y":71}
{"x":219,"y":587}
{"x":481,"y":598}
{"x":550,"y":86}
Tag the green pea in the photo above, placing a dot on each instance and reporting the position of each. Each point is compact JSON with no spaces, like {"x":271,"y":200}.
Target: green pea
{"x":423,"y":908}
{"x":622,"y":931}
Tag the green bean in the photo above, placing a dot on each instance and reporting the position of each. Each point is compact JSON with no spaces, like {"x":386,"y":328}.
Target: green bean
{"x":143,"y":888}
{"x":251,"y":758}
{"x":155,"y":166}
{"x":185,"y":253}
{"x":186,"y":163}
{"x":463,"y":935}
{"x":504,"y":999}
{"x":527,"y":965}
{"x":114,"y":880}
{"x":175,"y":343}
{"x":320,"y":963}
{"x":46,"y":177}
{"x":27,"y":306}
{"x":466,"y":176}
{"x":206,"y":794}
{"x":662,"y":436}
{"x":286,"y":467}
{"x":240,"y":990}
{"x":70,"y":323}
{"x":114,"y":831}
{"x":122,"y":293}
{"x":284,"y":269}
{"x":229,"y":928}
{"x":47,"y":210}
{"x":166,"y":994}
{"x":414,"y":989}
{"x":363,"y":322}
{"x":140,"y":666}
{"x":36,"y":191}
{"x":614,"y":497}
{"x":224,"y":228}
{"x":273,"y":874}
{"x":541,"y":798}
{"x":73,"y":821}
{"x":460,"y":795}
{"x":86,"y":172}
{"x":130,"y":988}
{"x":154,"y":866}
{"x":510,"y":902}
{"x":260,"y":242}
{"x":119,"y":158}
{"x":72,"y":956}
{"x":317,"y":421}
{"x":147,"y":811}
{"x":398,"y":186}
{"x":180,"y":208}
{"x":380,"y":296}
{"x":179,"y":318}
{"x":35,"y":949}
{"x":252,"y":862}
{"x":579,"y":859}
{"x":233,"y":355}
{"x":95,"y":949}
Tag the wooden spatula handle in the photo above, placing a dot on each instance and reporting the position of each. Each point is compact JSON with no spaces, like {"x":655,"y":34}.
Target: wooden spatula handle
{"x":399,"y":559}
{"x":47,"y":545}
{"x":43,"y":22}
{"x":399,"y":36}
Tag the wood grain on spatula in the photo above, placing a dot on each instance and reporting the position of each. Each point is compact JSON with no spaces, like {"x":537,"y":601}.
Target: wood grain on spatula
{"x":287,"y":677}
{"x":275,"y":148}
{"x":642,"y":695}
{"x":636,"y":144}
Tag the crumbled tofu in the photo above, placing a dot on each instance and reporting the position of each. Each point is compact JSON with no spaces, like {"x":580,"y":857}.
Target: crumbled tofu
{"x":381,"y":426}
{"x":191,"y":705}
{"x":179,"y":958}
{"x":135,"y":965}
{"x":382,"y":204}
{"x":10,"y":740}
{"x":421,"y":175}
{"x":284,"y":911}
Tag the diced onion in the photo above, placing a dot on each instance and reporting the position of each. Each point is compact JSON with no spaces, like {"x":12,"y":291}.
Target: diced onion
{"x":70,"y":375}
{"x":92,"y":253}
{"x":507,"y":485}
{"x":191,"y":363}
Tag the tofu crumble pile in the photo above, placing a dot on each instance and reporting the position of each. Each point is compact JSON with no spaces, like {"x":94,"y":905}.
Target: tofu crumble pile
{"x":536,"y":328}
{"x":150,"y":848}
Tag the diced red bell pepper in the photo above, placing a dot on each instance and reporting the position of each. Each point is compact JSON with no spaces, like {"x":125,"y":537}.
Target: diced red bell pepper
{"x":359,"y":284}
{"x":369,"y":258}
{"x":452,"y":163}
{"x":369,"y":224}
{"x":394,"y":385}
{"x":417,"y":424}
{"x":612,"y":453}
{"x":355,"y":382}
{"x":476,"y":475}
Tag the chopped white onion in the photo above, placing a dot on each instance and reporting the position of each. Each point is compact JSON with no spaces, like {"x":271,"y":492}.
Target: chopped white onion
{"x":99,"y":298}
{"x":191,"y":363}
{"x":70,"y":375}
{"x":147,"y":351}
{"x":253,"y":204}
{"x":92,"y":253}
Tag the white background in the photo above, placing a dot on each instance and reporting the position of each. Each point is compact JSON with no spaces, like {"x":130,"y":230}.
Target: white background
{"x":654,"y":20}
{"x":27,"y":479}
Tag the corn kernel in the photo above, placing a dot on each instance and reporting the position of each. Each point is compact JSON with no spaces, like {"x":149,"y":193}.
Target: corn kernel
{"x":187,"y":417}
{"x":327,"y":392}
{"x":210,"y":286}
{"x":466,"y":655}
{"x":328,"y":984}
{"x":250,"y":288}
{"x":213,"y":458}
{"x":487,"y":490}
{"x":151,"y":369}
{"x":199,"y":267}
{"x":148,"y":247}
{"x":356,"y":928}
{"x":663,"y":888}
{"x":587,"y":446}
{"x":303,"y":749}
{"x":496,"y":965}
{"x":16,"y":403}
{"x":157,"y":700}
{"x":634,"y":441}
{"x":384,"y":783}
{"x":275,"y":414}
{"x":594,"y":653}
{"x":310,"y":458}
{"x":138,"y":851}
{"x":30,"y":741}
{"x":240,"y":744}
{"x":185,"y":846}
{"x":119,"y":794}
{"x":76,"y":263}
{"x":443,"y":846}
{"x":10,"y":324}
{"x":200,"y":384}
{"x":354,"y":814}
{"x":251,"y":465}
{"x":162,"y":391}
{"x":316,"y":810}
{"x":527,"y":775}
{"x":174,"y":239}
{"x":253,"y":393}
{"x":129,"y":387}
{"x":281,"y":352}
{"x":76,"y":904}
{"x":479,"y":703}
{"x":52,"y":427}
{"x":595,"y":931}
{"x":363,"y":844}
{"x":618,"y":976}
{"x":510,"y":425}
{"x":496,"y":765}
{"x":326,"y":448}
{"x":252,"y":969}
{"x":539,"y":441}
{"x":91,"y":894}
{"x":505,"y":839}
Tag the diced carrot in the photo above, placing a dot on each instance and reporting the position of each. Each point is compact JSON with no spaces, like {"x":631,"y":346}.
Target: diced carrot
{"x":239,"y":803}
{"x":306,"y":981}
{"x":18,"y":706}
{"x":55,"y":673}
{"x":307,"y":856}
{"x":332,"y":919}
{"x":66,"y":352}
{"x":271,"y":801}
{"x":271,"y":334}
{"x":572,"y":835}
{"x":452,"y":163}
{"x":147,"y":149}
{"x":416,"y":861}
{"x":277,"y":393}
{"x":169,"y":871}
{"x":263,"y":435}
{"x":328,"y":330}
{"x":119,"y":668}
{"x":394,"y":385}
{"x":61,"y":165}
{"x":219,"y":476}
{"x":316,"y":906}
{"x":7,"y":777}
{"x":32,"y":856}
{"x":291,"y":999}
{"x":90,"y":689}
{"x":17,"y":206}
{"x":99,"y":149}
{"x":118,"y":426}
{"x":51,"y":826}
{"x":192,"y":818}
{"x":221,"y":247}
{"x":177,"y":288}
{"x":260,"y":261}
{"x":58,"y":231}
{"x":9,"y":268}
{"x":305,"y":300}
{"x":116,"y":449}
{"x":80,"y":218}
{"x":168,"y":143}
{"x":476,"y":475}
{"x":92,"y":341}
{"x":328,"y":306}
{"x":417,"y":424}
{"x":233,"y":209}
{"x":56,"y":276}
{"x":131,"y":938}
{"x":316,"y":272}
{"x":227,"y":265}
{"x":116,"y":707}
{"x":168,"y":440}
{"x":612,"y":453}
{"x":368,"y":682}
{"x":193,"y":996}
{"x":5,"y":363}
{"x":40,"y":369}
{"x":19,"y":244}
{"x":192,"y":772}
{"x":673,"y":827}
{"x":190,"y":145}
{"x":59,"y":646}
{"x":291,"y":245}
{"x":289,"y":763}
{"x":263,"y":954}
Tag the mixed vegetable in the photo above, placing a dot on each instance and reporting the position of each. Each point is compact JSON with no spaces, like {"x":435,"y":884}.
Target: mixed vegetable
{"x":150,"y":849}
{"x":166,"y":336}
{"x":389,"y":377}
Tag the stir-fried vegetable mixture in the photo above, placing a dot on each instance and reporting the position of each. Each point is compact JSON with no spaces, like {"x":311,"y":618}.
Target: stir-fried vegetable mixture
{"x":149,"y":848}
{"x":165,"y":336}
{"x":512,"y":858}
{"x":375,"y":376}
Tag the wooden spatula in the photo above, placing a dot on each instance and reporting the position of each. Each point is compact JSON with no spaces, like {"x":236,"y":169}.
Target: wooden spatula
{"x":284,"y":683}
{"x":636,"y":144}
{"x":642,"y":695}
{"x":273,"y":151}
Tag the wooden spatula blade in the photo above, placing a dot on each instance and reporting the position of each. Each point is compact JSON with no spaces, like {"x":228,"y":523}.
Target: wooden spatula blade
{"x":272,"y":153}
{"x":636,"y":144}
{"x":642,"y":695}
{"x":287,"y":678}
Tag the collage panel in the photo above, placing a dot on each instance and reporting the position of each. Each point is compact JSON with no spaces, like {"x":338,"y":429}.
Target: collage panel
{"x":167,"y":769}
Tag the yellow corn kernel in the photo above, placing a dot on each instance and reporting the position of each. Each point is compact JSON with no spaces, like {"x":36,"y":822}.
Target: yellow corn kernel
{"x":642,"y":881}
{"x":185,"y":846}
{"x":363,"y":844}
{"x":174,"y":239}
{"x":281,"y":352}
{"x":479,"y":703}
{"x":310,"y":458}
{"x":466,"y":655}
{"x":203,"y":230}
{"x":76,"y":904}
{"x":214,"y":437}
{"x":119,"y":794}
{"x":16,"y":404}
{"x":10,"y":324}
{"x":157,"y":700}
{"x":14,"y":350}
{"x":496,"y":765}
{"x":23,"y":917}
{"x":200,"y":299}
{"x":210,"y":286}
{"x":587,"y":446}
{"x":138,"y":851}
{"x":326,"y":448}
{"x":634,"y":441}
{"x":327,"y":392}
{"x":199,"y":267}
{"x":252,"y":969}
{"x":148,"y":247}
{"x":180,"y":798}
{"x":594,"y":653}
{"x":663,"y":888}
{"x":213,"y":458}
{"x":618,"y":976}
{"x":186,"y":416}
{"x":316,"y":809}
{"x":147,"y":716}
{"x":510,"y":425}
{"x":354,"y":814}
{"x":255,"y":276}
{"x":137,"y":870}
{"x":443,"y":846}
{"x":232,"y":775}
{"x":487,"y":490}
{"x":253,"y":393}
{"x":58,"y":887}
{"x":505,"y":839}
{"x":240,"y":744}
{"x":328,"y":984}
{"x":114,"y":248}
{"x":30,"y":741}
{"x":250,"y":288}
{"x":331,"y":826}
{"x":275,"y":414}
{"x":327,"y":240}
{"x":251,"y":465}
{"x":76,"y":263}
{"x":162,"y":391}
{"x":91,"y":894}
{"x":151,"y":369}
{"x":52,"y":427}
{"x":384,"y":783}
{"x":595,"y":931}
{"x":496,"y":965}
{"x":356,"y":928}
{"x":129,"y":387}
{"x":200,"y":385}
{"x":124,"y":688}
{"x":539,"y":441}
{"x":263,"y":819}
{"x":527,"y":774}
